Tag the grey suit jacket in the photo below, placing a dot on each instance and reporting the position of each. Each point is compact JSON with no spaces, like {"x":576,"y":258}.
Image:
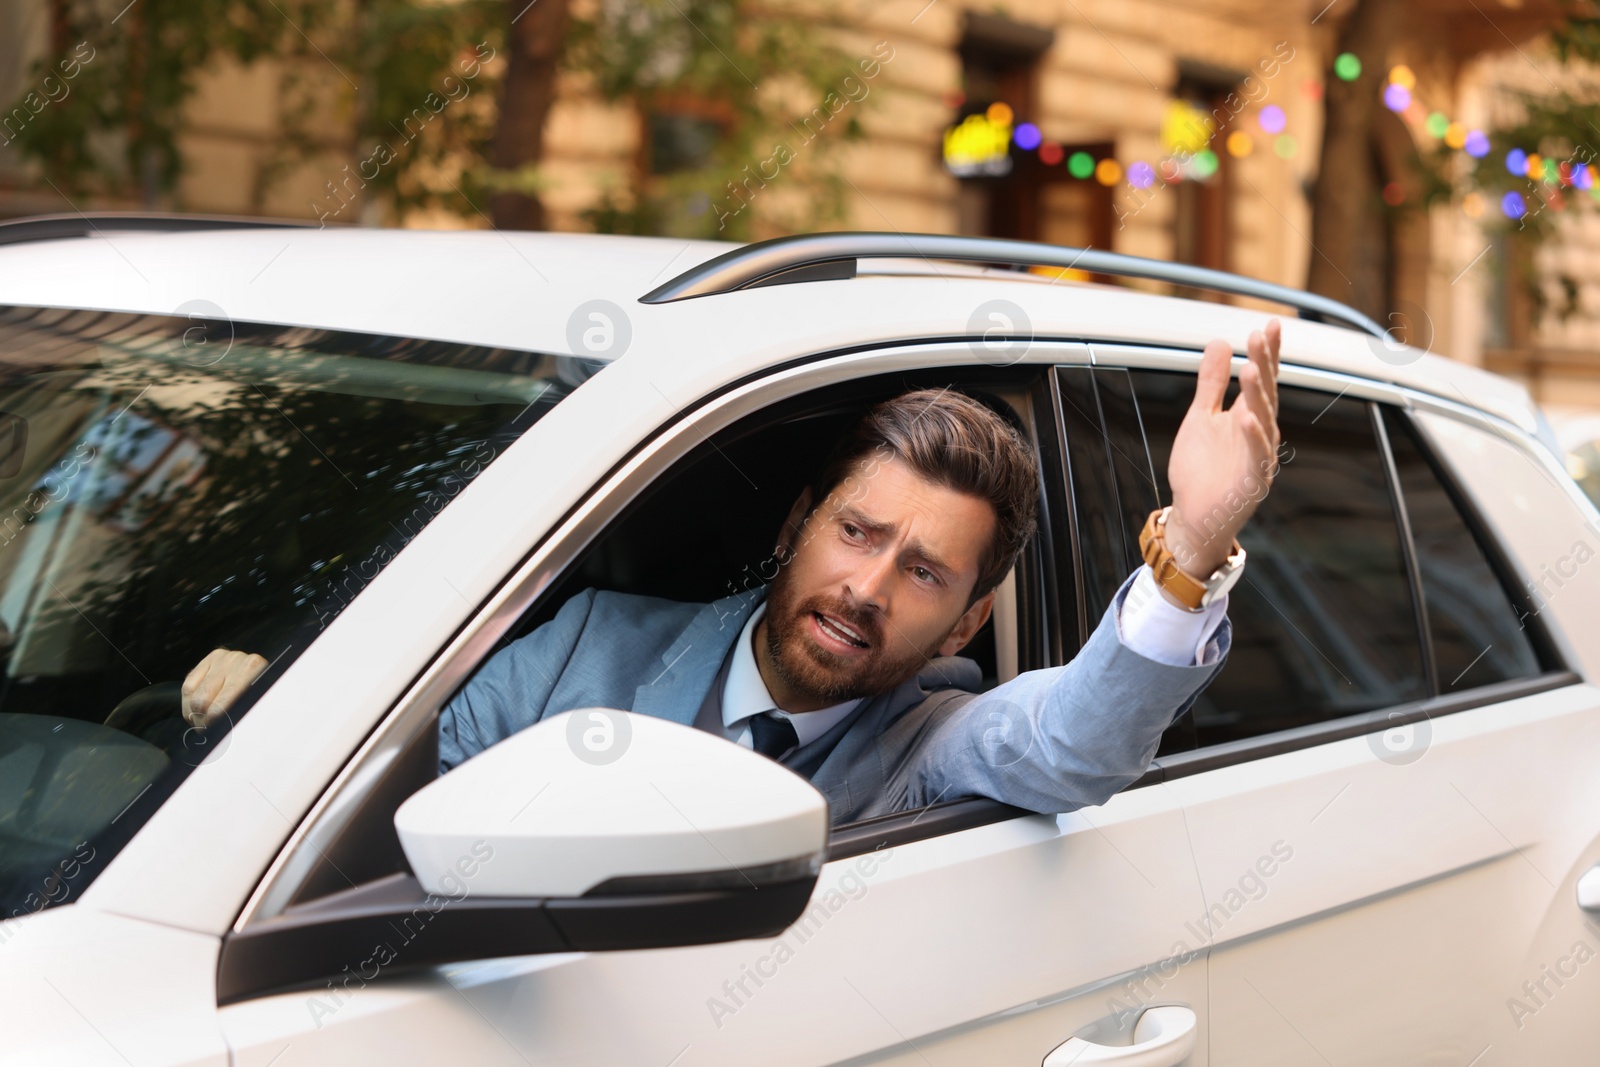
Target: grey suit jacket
{"x":1049,"y":740}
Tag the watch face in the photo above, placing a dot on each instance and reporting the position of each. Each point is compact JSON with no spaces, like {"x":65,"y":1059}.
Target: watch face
{"x":1225,"y":578}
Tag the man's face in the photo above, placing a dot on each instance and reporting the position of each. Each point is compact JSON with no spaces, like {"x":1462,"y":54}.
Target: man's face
{"x":877,"y":584}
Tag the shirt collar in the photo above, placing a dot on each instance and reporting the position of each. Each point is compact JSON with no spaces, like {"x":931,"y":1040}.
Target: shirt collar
{"x":744,"y":694}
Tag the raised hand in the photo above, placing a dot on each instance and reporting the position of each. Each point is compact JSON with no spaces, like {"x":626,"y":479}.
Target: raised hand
{"x":1223,"y":461}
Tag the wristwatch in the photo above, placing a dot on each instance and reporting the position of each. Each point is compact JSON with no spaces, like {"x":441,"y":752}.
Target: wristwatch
{"x":1194,"y":593}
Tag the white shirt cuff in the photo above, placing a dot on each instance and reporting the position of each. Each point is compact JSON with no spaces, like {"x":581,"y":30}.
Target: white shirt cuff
{"x":1158,"y":629}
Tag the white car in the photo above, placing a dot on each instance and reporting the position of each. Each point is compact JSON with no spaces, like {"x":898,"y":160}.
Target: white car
{"x":374,"y":457}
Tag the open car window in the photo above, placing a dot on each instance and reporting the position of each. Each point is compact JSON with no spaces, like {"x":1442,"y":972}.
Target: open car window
{"x":169,"y":486}
{"x":702,"y":530}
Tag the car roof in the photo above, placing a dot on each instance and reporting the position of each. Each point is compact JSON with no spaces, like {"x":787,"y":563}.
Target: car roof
{"x":524,"y":290}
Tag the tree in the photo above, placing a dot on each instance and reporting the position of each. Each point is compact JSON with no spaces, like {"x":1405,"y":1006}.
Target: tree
{"x":709,"y":64}
{"x":106,"y":114}
{"x":414,"y":104}
{"x":1366,"y":252}
{"x":1557,"y":135}
{"x":535,"y":44}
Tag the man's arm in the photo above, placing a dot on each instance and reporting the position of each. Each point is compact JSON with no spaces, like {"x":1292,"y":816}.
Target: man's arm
{"x":511,"y":691}
{"x":1064,"y":738}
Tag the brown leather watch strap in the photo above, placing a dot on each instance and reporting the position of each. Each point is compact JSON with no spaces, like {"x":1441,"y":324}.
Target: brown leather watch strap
{"x":1153,"y":547}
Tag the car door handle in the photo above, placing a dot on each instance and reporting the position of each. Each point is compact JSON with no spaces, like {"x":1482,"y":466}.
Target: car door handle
{"x":1589,"y":889}
{"x":1163,"y":1037}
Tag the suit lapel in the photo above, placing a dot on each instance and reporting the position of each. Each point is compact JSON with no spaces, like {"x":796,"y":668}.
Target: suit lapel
{"x":690,"y":664}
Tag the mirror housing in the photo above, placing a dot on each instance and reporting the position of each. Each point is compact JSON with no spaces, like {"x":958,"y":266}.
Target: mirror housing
{"x":594,"y":830}
{"x":595,"y":796}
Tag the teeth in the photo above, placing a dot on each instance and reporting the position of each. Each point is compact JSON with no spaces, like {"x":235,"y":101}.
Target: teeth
{"x":843,"y":630}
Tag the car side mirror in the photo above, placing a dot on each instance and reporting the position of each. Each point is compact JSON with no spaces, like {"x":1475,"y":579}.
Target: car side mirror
{"x":594,"y":830}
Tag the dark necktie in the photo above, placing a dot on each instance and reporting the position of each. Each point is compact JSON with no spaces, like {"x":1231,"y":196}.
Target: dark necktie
{"x":772,"y":735}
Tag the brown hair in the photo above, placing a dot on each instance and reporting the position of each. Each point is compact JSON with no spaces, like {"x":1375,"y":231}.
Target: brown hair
{"x":956,"y":442}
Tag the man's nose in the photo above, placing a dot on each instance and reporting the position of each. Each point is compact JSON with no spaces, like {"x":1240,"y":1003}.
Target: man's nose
{"x":871,"y":584}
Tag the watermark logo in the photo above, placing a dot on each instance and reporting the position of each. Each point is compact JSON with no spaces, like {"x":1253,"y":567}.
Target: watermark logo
{"x":1401,"y":744}
{"x":1408,"y":337}
{"x":599,"y":736}
{"x":209,"y":336}
{"x":999,"y":332}
{"x":1007,"y":734}
{"x":200,"y":742}
{"x":852,"y":885}
{"x":1145,"y":986}
{"x":599,"y":329}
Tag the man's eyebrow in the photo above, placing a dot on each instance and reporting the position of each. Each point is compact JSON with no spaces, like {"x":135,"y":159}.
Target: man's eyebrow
{"x":916,"y":548}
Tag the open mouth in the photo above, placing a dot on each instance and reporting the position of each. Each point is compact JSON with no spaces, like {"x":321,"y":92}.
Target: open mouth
{"x":839,"y":630}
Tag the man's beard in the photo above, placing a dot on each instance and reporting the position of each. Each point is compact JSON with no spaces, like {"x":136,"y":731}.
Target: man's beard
{"x":818,"y":674}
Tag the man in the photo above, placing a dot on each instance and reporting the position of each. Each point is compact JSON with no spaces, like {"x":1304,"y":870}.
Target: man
{"x":845,"y":667}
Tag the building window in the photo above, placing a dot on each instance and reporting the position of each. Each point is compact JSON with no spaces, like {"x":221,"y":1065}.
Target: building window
{"x":1000,"y":195}
{"x":1202,"y":217}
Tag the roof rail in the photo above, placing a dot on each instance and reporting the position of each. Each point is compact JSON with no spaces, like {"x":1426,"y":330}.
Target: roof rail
{"x":56,"y":227}
{"x":826,"y":256}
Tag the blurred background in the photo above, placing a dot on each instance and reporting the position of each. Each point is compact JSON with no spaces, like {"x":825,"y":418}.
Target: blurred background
{"x":1430,"y":162}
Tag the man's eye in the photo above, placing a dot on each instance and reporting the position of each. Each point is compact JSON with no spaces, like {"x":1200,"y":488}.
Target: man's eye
{"x":852,"y":531}
{"x":924,"y":574}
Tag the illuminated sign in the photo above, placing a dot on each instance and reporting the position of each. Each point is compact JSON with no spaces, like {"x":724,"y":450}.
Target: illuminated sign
{"x":980,"y":145}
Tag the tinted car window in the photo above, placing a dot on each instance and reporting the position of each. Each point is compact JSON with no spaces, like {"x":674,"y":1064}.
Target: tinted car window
{"x":1110,"y":466}
{"x":169,"y":486}
{"x":1323,"y":620}
{"x":1478,"y":637}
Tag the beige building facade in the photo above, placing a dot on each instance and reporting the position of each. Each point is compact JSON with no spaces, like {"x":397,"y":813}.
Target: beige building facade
{"x":1115,"y":91}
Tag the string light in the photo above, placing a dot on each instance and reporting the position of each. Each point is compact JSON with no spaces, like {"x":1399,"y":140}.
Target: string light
{"x":1200,"y":161}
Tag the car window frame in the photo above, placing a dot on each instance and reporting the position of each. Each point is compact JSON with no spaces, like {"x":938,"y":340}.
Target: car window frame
{"x":1557,"y":671}
{"x":656,"y":454}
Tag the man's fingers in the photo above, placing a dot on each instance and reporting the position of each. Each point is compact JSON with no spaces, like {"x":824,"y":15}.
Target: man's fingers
{"x":216,"y":682}
{"x":193,"y":709}
{"x":1274,"y":333}
{"x":199,"y":698}
{"x":247,"y":670}
{"x":1253,"y":391}
{"x":1262,"y":352}
{"x":1211,"y":385}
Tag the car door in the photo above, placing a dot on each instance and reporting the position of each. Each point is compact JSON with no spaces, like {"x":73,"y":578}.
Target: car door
{"x":967,"y":932}
{"x":1382,"y":791}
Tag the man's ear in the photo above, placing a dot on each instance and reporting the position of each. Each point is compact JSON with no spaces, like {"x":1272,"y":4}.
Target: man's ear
{"x":969,"y":623}
{"x":789,"y":534}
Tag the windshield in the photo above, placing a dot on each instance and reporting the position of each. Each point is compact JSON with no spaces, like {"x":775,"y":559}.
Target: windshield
{"x":171,"y":486}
